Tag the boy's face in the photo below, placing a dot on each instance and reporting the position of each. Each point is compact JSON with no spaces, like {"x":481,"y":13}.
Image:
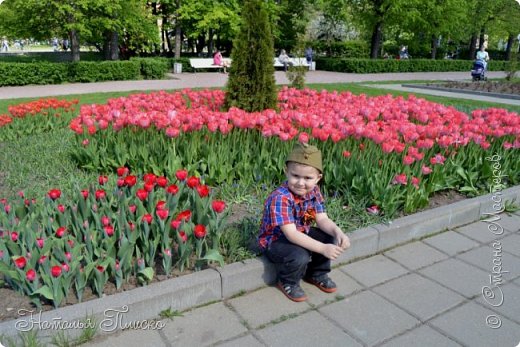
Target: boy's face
{"x":301,"y":179}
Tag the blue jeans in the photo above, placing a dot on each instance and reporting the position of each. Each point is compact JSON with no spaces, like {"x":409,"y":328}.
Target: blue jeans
{"x":293,"y":262}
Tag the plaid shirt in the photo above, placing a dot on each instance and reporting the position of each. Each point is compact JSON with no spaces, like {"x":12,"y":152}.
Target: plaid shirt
{"x":283,"y":207}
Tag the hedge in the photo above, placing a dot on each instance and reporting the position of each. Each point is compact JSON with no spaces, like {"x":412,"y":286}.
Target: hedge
{"x":44,"y":72}
{"x":395,"y":65}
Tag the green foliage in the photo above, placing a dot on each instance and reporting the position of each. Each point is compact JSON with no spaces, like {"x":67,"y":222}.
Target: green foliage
{"x":104,"y":71}
{"x":395,"y":65}
{"x":343,"y":49}
{"x":19,"y":74}
{"x":251,"y":85}
{"x":153,"y":68}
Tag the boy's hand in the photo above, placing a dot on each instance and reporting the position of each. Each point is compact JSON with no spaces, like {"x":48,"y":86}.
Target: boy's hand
{"x":342,"y":240}
{"x":331,"y":251}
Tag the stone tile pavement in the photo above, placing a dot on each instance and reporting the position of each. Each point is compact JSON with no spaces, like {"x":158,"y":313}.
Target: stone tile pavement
{"x":431,"y":292}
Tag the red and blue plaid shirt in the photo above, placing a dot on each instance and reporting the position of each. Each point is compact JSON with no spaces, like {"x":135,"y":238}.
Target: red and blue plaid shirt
{"x":283,"y":207}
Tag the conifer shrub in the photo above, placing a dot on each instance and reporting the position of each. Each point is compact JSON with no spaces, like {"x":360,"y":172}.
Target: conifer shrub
{"x":251,"y":85}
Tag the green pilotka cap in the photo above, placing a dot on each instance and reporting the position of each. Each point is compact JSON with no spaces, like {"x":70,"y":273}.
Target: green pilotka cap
{"x":305,"y":154}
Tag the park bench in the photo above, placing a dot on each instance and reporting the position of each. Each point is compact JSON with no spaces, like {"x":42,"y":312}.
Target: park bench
{"x":206,"y":63}
{"x":296,"y":61}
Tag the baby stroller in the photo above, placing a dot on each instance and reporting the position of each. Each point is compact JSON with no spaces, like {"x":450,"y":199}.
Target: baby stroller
{"x":479,"y":70}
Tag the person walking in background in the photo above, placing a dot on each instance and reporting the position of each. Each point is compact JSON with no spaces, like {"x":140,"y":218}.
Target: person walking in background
{"x":5,"y":45}
{"x":308,"y":55}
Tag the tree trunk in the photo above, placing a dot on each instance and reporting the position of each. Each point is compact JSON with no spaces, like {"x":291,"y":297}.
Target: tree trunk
{"x":210,"y":42}
{"x":201,"y":42}
{"x":178,"y":32}
{"x":114,"y":45}
{"x":377,"y":34}
{"x":510,"y":43}
{"x":472,"y":44}
{"x":111,"y":45}
{"x":481,"y":39}
{"x":74,"y":46}
{"x":434,"y":46}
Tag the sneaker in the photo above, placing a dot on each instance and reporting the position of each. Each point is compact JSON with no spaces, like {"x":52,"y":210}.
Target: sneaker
{"x":324,"y":284}
{"x":292,"y":291}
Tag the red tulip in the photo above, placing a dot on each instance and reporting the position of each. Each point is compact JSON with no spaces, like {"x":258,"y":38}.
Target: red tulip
{"x":61,"y":231}
{"x":109,"y":230}
{"x":148,"y":218}
{"x":7,"y":208}
{"x":122,"y":171}
{"x":131,"y":226}
{"x":65,"y":267}
{"x":203,"y":190}
{"x":181,"y":175}
{"x":162,"y":181}
{"x":84,"y":192}
{"x":14,"y":236}
{"x":102,"y":180}
{"x":303,"y":138}
{"x":183,"y":236}
{"x":105,"y":220}
{"x":161,"y":205}
{"x":149,"y":186}
{"x":54,"y":194}
{"x":162,"y":214}
{"x":39,"y":242}
{"x":374,"y":209}
{"x":426,"y":170}
{"x":193,"y":182}
{"x":120,"y":182}
{"x":56,"y":271}
{"x":30,"y":275}
{"x":400,"y":179}
{"x":172,"y":189}
{"x":346,"y":154}
{"x":71,"y":243}
{"x":142,"y":194}
{"x":100,"y":194}
{"x":20,"y":262}
{"x":175,"y":224}
{"x":149,"y":177}
{"x":184,"y":215}
{"x":199,"y":231}
{"x":42,"y":259}
{"x":218,"y":206}
{"x":130,"y":180}
{"x":132,"y":208}
{"x":61,"y":208}
{"x":68,"y":256}
{"x":100,"y":268}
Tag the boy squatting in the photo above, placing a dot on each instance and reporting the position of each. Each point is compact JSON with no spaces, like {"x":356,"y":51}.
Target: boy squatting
{"x":299,"y":250}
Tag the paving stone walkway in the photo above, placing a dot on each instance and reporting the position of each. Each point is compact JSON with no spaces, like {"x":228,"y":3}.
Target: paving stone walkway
{"x":432,"y":292}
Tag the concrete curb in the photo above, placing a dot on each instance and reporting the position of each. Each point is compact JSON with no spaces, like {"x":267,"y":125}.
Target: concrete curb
{"x":462,"y":91}
{"x":143,"y":305}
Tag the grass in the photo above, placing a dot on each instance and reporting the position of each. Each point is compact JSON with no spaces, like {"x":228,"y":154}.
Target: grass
{"x":41,"y":162}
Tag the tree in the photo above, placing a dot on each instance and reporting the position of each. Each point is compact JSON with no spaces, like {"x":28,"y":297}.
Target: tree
{"x":374,"y":15}
{"x":251,"y":85}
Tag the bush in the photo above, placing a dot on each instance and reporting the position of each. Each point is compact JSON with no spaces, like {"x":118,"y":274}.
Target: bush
{"x":20,"y":74}
{"x":153,"y":68}
{"x":395,"y":65}
{"x":104,"y":71}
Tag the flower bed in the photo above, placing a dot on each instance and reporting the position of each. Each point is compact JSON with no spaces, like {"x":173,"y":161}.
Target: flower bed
{"x":35,"y":117}
{"x":51,"y":248}
{"x":396,"y":151}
